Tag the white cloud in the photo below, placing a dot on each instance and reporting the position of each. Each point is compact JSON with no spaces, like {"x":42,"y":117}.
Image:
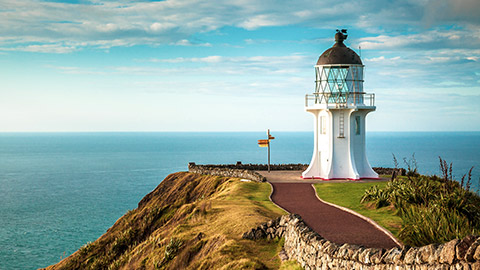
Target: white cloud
{"x":208,"y":59}
{"x":214,"y":65}
{"x":428,"y":40}
{"x":127,"y":23}
{"x":44,"y":48}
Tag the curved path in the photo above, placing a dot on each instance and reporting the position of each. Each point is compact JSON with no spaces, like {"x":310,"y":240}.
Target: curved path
{"x":330,"y":222}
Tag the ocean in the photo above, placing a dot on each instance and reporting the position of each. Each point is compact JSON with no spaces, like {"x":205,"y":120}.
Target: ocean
{"x":59,"y":191}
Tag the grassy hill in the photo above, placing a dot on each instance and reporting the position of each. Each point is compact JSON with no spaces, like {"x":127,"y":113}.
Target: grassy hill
{"x":189,"y":221}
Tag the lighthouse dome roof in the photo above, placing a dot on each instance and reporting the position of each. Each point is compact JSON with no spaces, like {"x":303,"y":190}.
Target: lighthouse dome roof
{"x":339,"y":53}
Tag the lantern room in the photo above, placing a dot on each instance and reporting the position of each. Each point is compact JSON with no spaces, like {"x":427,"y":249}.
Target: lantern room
{"x":339,"y":76}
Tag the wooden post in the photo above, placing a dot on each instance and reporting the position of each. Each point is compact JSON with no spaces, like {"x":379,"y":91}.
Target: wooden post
{"x":268,"y":135}
{"x":266,"y":143}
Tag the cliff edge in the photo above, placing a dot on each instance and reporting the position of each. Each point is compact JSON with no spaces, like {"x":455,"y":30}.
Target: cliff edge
{"x":189,"y":221}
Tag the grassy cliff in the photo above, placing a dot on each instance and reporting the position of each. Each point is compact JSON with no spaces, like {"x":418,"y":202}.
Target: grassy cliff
{"x":189,"y":221}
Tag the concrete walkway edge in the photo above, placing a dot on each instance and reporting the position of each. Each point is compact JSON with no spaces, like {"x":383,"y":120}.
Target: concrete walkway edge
{"x":270,"y":197}
{"x":376,"y":225}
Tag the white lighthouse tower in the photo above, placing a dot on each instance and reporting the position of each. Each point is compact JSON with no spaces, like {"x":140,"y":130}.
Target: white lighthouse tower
{"x":339,"y":106}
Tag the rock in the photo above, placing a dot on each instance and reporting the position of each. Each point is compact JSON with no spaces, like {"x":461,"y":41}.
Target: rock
{"x":350,"y":251}
{"x":356,"y":254}
{"x":388,"y":256}
{"x":283,"y":255}
{"x":464,"y":245}
{"x":282,"y":221}
{"x":376,"y":256}
{"x":410,"y":256}
{"x":270,"y":223}
{"x":476,"y":255}
{"x":469,"y":255}
{"x":426,"y":254}
{"x":331,"y":248}
{"x":249,"y":235}
{"x":398,"y":259}
{"x":342,"y":251}
{"x":475,"y":266}
{"x":279,"y":232}
{"x":364,"y":256}
{"x":460,"y":266}
{"x":448,"y":252}
{"x":259,"y":234}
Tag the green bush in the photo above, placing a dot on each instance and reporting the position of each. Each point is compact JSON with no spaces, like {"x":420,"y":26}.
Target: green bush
{"x":172,"y":249}
{"x":433,"y":209}
{"x":422,"y":226}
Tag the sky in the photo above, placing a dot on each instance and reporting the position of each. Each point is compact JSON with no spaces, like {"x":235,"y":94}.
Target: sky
{"x":239,"y":65}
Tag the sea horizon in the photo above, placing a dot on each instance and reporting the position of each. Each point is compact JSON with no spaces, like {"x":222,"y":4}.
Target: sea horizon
{"x":233,"y":131}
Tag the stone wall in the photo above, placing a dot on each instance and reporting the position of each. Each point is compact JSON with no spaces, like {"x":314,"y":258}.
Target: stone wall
{"x":254,"y":167}
{"x":389,"y":171}
{"x":240,"y":170}
{"x":314,"y":252}
{"x":248,"y":171}
{"x":224,"y":170}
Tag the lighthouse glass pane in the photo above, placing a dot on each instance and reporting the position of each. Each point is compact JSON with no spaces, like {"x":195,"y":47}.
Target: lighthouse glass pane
{"x":349,"y":80}
{"x":351,"y":86}
{"x":325,"y":72}
{"x":336,"y":83}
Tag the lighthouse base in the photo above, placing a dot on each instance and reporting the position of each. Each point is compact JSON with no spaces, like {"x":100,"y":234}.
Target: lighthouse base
{"x":339,"y":144}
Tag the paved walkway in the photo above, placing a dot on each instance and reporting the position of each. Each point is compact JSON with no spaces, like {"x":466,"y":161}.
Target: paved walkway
{"x":296,"y":177}
{"x":330,"y":222}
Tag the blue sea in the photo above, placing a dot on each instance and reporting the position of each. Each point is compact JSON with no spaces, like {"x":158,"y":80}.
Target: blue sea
{"x":59,"y":191}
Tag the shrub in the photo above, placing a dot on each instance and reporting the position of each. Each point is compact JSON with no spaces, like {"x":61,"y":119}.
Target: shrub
{"x":433,"y":209}
{"x":380,"y":197}
{"x":423,"y":226}
{"x":172,"y":249}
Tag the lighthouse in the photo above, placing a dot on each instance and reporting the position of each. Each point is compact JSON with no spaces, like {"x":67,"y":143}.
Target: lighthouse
{"x":339,"y":106}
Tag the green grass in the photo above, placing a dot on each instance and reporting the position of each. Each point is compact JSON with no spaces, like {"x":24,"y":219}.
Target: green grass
{"x":290,"y":265}
{"x":259,"y":193}
{"x":349,"y":195}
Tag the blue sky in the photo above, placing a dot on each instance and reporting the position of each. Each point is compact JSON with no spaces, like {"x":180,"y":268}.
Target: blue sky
{"x":231,"y":65}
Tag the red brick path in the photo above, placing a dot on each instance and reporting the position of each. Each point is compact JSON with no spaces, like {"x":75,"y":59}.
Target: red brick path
{"x":330,"y":222}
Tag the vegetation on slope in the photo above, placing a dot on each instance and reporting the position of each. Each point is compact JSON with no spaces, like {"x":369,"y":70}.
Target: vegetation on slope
{"x":189,"y":221}
{"x":433,"y":209}
{"x":335,"y":193}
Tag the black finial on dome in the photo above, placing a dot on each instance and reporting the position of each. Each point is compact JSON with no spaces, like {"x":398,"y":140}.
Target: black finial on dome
{"x":340,"y":36}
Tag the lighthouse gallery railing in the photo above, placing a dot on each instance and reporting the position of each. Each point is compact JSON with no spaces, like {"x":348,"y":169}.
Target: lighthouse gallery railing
{"x":341,"y":99}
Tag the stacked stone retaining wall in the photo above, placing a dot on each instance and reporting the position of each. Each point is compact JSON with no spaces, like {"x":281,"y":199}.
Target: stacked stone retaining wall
{"x":314,"y":252}
{"x":253,"y":167}
{"x":224,"y":170}
{"x":248,"y":171}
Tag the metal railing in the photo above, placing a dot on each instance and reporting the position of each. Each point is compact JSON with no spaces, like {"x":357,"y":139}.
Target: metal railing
{"x":341,"y":99}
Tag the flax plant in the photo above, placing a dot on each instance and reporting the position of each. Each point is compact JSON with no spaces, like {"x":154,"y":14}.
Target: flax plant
{"x":433,"y":209}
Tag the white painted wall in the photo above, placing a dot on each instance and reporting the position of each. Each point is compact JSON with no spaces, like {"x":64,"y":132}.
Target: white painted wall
{"x":337,"y":157}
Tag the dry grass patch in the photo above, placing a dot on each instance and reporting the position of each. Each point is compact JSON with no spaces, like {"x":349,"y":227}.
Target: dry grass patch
{"x":189,"y":221}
